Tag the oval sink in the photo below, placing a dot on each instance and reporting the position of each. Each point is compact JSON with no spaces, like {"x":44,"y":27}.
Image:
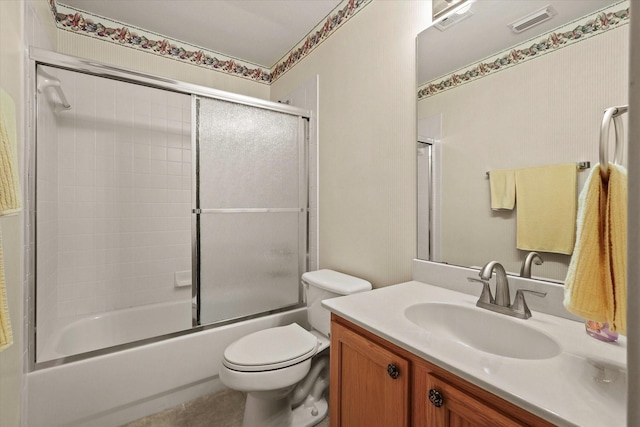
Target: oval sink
{"x":483,"y":330}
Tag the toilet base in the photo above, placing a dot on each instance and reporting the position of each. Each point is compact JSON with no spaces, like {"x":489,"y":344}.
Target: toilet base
{"x":265,"y":413}
{"x":303,"y":416}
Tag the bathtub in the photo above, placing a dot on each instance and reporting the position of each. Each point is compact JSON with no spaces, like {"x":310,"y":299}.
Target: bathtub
{"x":116,"y":388}
{"x":92,"y":332}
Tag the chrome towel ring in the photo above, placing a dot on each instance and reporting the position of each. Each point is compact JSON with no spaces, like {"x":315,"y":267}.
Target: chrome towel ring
{"x":612,"y":113}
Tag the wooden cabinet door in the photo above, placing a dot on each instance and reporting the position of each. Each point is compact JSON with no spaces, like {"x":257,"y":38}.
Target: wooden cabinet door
{"x":457,"y":408}
{"x":364,"y":392}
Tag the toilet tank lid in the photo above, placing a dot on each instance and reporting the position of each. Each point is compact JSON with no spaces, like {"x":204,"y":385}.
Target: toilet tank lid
{"x":333,"y":281}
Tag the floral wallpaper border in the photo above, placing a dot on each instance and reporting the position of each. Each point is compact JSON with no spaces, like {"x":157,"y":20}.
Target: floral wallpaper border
{"x":591,"y":25}
{"x":70,"y":19}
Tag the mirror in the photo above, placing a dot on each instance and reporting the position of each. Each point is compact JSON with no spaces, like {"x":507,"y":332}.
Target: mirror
{"x":490,"y":98}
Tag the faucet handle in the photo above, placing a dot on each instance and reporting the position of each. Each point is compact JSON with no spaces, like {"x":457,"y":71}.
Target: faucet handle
{"x":519,"y":303}
{"x":485,"y":296}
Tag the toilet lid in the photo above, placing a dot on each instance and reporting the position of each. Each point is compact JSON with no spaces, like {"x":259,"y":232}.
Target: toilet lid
{"x":272,"y":348}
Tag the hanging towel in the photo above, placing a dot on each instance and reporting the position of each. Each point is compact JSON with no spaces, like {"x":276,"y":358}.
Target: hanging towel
{"x":616,"y":234}
{"x":546,"y":214}
{"x":503,"y":189}
{"x":596,"y":284}
{"x":588,"y":292}
{"x":10,"y":201}
{"x":6,"y":336}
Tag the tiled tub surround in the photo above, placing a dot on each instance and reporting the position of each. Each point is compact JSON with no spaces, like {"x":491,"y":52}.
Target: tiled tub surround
{"x":114,"y":221}
{"x":585,"y":385}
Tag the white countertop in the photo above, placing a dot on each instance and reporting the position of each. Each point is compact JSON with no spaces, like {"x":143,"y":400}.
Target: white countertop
{"x":585,"y":385}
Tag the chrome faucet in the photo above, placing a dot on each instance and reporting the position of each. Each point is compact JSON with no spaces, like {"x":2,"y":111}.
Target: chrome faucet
{"x":525,"y":270}
{"x":501,"y":302}
{"x":502,"y":284}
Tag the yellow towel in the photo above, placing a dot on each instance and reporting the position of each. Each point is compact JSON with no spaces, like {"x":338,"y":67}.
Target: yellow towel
{"x":503,"y":189}
{"x":616,"y":232}
{"x":596,"y":284}
{"x":6,"y":336}
{"x":546,"y":214}
{"x":10,"y":201}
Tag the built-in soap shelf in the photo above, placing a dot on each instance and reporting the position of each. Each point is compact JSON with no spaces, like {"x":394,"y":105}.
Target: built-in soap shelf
{"x":182,"y":279}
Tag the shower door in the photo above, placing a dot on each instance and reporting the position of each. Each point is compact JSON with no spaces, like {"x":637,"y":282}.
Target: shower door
{"x":250,"y":210}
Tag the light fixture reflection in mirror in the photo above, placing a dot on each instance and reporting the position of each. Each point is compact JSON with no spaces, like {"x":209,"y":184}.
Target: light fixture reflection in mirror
{"x":535,"y":98}
{"x":440,"y":9}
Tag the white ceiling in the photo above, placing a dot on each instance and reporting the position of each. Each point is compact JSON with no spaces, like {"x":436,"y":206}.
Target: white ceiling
{"x":486,"y":32}
{"x":258,"y":31}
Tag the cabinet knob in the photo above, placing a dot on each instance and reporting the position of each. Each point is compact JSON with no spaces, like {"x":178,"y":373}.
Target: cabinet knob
{"x":393,"y":371}
{"x":435,"y":397}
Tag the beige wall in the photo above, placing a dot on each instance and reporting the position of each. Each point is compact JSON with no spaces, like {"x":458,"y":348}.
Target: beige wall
{"x":86,"y":47}
{"x":367,"y":141}
{"x":11,"y":79}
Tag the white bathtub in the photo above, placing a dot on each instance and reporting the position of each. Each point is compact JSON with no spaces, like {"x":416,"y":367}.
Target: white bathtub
{"x":92,"y":332}
{"x":116,"y":388}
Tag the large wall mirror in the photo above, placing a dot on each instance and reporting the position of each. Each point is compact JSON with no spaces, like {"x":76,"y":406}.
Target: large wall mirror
{"x":491,"y":97}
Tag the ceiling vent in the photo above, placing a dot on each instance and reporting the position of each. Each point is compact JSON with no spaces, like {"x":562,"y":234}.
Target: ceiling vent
{"x":451,"y":20}
{"x":532,"y":19}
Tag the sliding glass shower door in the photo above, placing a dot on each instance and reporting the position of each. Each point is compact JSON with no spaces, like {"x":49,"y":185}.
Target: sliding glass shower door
{"x":250,"y":210}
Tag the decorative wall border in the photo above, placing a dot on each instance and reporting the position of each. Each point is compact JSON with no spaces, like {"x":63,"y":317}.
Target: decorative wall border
{"x":341,"y":14}
{"x":576,"y":31}
{"x":81,"y":22}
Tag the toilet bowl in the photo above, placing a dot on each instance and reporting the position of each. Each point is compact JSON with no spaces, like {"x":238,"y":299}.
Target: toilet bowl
{"x":284,"y":370}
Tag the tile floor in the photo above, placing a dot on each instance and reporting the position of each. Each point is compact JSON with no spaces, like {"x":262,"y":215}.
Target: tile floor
{"x":222,"y":409}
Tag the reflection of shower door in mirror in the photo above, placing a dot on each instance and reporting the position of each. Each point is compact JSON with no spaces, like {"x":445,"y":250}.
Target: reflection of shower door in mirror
{"x":250,"y":210}
{"x":424,"y":199}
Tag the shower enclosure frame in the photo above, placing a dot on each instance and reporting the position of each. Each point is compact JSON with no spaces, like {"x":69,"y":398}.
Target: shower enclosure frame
{"x":43,"y":57}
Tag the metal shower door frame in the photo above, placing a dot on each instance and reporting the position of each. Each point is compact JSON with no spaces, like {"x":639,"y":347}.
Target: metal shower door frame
{"x":38,"y":56}
{"x":197,"y":211}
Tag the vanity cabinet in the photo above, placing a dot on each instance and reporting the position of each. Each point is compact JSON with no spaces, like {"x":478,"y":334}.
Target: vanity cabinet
{"x":375,"y":383}
{"x":371,"y":382}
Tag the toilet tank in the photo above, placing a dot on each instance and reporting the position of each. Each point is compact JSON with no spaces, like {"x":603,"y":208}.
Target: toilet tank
{"x":324,"y":284}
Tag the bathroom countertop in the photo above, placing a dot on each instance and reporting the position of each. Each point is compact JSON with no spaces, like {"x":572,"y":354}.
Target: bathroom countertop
{"x":585,"y":385}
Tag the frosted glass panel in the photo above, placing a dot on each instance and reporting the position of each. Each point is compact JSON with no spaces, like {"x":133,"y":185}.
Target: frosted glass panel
{"x":249,"y":263}
{"x":249,"y":159}
{"x":248,"y":156}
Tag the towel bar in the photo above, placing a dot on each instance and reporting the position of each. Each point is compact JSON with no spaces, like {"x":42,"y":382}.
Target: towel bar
{"x":579,"y":166}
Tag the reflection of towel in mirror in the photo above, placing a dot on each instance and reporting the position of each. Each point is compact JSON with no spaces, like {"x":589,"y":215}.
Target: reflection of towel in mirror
{"x":596,"y":285}
{"x":546,"y":214}
{"x":503,"y":189}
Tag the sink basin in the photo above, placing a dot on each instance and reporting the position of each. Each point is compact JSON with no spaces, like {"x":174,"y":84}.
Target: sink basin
{"x":483,"y":330}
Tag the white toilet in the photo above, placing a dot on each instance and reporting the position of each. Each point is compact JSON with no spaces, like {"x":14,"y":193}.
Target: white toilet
{"x":282,"y":368}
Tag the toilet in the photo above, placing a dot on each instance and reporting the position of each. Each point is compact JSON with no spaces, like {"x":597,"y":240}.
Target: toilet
{"x":285,"y":370}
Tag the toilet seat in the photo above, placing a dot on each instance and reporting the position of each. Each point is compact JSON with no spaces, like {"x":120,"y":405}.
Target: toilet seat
{"x":270,"y":349}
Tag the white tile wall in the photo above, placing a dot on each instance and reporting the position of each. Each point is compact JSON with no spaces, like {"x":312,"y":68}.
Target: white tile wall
{"x":48,"y":208}
{"x":114,"y":196}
